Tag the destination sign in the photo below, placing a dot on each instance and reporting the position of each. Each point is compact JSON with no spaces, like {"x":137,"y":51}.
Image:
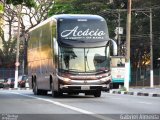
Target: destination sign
{"x":83,"y":30}
{"x":87,"y":33}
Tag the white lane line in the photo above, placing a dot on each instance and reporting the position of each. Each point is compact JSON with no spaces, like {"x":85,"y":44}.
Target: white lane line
{"x":66,"y":106}
{"x":145,"y":103}
{"x":117,"y":98}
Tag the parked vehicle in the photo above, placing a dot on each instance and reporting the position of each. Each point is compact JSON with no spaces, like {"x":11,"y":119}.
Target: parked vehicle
{"x":117,"y":65}
{"x":2,"y":83}
{"x":5,"y":84}
{"x":9,"y":83}
{"x":22,"y":79}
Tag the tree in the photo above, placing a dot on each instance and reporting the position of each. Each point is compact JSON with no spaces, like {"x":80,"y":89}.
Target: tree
{"x":1,"y":20}
{"x":99,"y":7}
{"x":140,"y":40}
{"x":30,"y":17}
{"x":27,"y":3}
{"x":141,"y":30}
{"x":8,"y":52}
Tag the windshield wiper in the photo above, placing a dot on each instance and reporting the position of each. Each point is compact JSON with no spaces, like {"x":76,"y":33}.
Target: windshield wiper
{"x":74,"y":70}
{"x":101,"y":70}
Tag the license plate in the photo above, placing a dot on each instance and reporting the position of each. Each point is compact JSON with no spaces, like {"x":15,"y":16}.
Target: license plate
{"x":85,"y":87}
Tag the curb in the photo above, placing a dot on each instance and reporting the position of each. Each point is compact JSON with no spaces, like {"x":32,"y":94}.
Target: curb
{"x":135,"y":93}
{"x":15,"y":88}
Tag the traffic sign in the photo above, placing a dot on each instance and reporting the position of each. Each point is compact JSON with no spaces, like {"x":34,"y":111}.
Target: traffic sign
{"x":17,"y":64}
{"x":119,"y":30}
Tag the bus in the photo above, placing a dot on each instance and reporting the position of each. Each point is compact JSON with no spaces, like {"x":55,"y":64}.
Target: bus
{"x":117,"y":71}
{"x":70,"y":54}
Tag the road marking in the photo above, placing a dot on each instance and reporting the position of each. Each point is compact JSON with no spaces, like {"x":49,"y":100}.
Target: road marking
{"x":117,"y":98}
{"x":145,"y":103}
{"x":66,"y":106}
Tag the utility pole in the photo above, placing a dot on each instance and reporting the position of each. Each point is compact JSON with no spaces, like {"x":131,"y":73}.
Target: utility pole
{"x":151,"y":51}
{"x":119,"y":37}
{"x":17,"y":53}
{"x":128,"y":37}
{"x":151,"y":45}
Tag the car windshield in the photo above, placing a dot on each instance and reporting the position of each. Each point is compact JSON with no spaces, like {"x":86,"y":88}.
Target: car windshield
{"x":84,"y":59}
{"x":24,"y":78}
{"x":2,"y":80}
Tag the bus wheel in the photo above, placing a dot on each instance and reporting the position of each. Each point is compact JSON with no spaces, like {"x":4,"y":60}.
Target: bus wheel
{"x":54,"y":93}
{"x":44,"y":92}
{"x":97,"y":93}
{"x":36,"y":91}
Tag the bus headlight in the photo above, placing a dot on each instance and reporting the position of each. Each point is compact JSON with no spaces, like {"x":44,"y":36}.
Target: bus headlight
{"x":105,"y":79}
{"x":64,"y":79}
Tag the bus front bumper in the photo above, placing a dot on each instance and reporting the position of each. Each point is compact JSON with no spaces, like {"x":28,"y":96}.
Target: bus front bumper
{"x":83,"y":88}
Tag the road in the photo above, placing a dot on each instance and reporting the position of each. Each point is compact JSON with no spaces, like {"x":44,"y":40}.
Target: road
{"x":23,"y":105}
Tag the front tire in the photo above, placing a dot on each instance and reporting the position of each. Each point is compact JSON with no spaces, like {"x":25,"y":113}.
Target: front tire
{"x":97,"y":94}
{"x":44,"y":92}
{"x":55,"y":93}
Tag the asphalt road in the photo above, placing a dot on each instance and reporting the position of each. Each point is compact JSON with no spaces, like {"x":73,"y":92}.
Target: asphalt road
{"x":23,"y":105}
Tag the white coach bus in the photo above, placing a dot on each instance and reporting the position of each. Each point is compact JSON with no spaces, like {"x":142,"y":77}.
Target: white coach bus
{"x":70,"y":54}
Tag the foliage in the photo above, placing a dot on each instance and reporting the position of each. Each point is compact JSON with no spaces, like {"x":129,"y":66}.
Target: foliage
{"x":140,"y":41}
{"x":62,"y":6}
{"x":100,"y":7}
{"x":1,"y":21}
{"x":79,"y":7}
{"x":119,"y":4}
{"x":34,"y":15}
{"x":140,"y":31}
{"x":86,"y":7}
{"x":140,"y":44}
{"x":8,"y":52}
{"x":1,"y":8}
{"x":28,"y":3}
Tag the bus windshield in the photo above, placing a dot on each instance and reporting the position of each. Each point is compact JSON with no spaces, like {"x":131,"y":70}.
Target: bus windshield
{"x":83,"y":59}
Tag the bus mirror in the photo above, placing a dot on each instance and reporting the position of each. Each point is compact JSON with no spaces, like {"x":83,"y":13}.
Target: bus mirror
{"x":55,"y":46}
{"x":114,"y":47}
{"x":108,"y":51}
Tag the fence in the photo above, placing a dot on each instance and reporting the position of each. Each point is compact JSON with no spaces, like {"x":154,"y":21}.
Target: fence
{"x":141,"y":77}
{"x":7,"y":73}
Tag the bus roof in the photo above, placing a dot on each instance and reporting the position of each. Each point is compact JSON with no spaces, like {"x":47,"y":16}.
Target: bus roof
{"x":68,"y":16}
{"x":77,"y":16}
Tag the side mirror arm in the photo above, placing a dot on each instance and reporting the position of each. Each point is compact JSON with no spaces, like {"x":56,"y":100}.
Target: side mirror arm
{"x":114,"y":46}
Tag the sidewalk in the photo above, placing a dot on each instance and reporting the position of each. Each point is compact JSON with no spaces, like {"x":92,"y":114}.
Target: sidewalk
{"x":153,"y":92}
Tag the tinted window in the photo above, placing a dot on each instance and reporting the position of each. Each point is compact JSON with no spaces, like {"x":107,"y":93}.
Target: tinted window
{"x":24,"y":78}
{"x":83,"y":59}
